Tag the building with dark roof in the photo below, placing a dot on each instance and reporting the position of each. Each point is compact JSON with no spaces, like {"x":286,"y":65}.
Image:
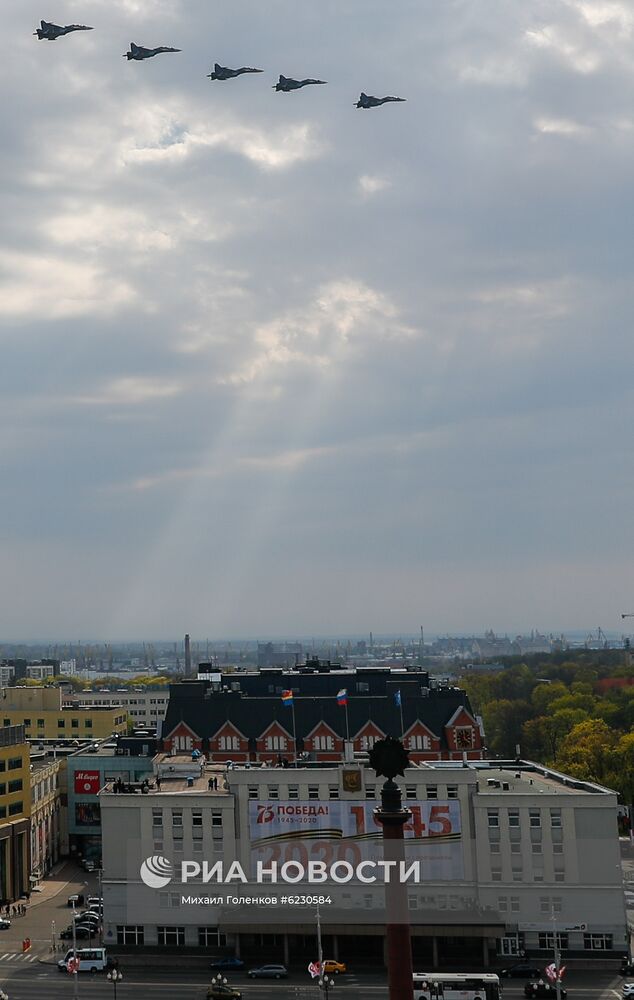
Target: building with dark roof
{"x":242,"y":717}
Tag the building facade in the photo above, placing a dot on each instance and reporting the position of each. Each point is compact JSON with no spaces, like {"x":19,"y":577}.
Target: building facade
{"x":39,"y":710}
{"x":146,"y":707}
{"x":48,"y":815}
{"x":241,"y":716}
{"x":510,"y":854}
{"x":15,"y":810}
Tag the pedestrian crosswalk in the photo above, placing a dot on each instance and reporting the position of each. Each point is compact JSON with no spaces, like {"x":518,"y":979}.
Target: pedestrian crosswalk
{"x":18,"y":956}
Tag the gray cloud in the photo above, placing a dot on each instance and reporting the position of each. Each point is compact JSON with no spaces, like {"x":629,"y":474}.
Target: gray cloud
{"x":271,"y":364}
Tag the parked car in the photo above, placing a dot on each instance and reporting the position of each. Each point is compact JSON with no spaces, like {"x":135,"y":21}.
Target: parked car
{"x":542,"y":989}
{"x":4,"y":924}
{"x":268,"y":972}
{"x":89,"y":866}
{"x":227,"y":964}
{"x":221,"y":992}
{"x":331,"y":967}
{"x":88,"y":918}
{"x":628,"y":989}
{"x":90,"y":960}
{"x":81,"y":933}
{"x":94,"y":901}
{"x":627,"y":968}
{"x":523,"y":970}
{"x":77,"y":899}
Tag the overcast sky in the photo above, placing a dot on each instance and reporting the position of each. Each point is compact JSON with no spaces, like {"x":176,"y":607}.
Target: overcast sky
{"x":271,"y":364}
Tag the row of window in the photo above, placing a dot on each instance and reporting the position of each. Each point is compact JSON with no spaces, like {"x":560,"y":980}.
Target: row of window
{"x":13,"y":763}
{"x":534,"y":818}
{"x":14,"y":786}
{"x":517,"y":875}
{"x":61,"y":723}
{"x":13,"y":810}
{"x":314,"y":792}
{"x":135,"y":934}
{"x":177,"y":818}
{"x":516,"y":847}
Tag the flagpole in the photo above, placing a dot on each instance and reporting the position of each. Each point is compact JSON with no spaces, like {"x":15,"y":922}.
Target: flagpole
{"x":400,"y":698}
{"x":347,"y":723}
{"x":294,"y":730}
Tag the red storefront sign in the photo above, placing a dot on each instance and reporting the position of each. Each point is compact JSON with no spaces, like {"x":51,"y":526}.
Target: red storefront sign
{"x":87,"y":782}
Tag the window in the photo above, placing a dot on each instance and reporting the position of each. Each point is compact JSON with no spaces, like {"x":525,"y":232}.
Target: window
{"x":432,"y":791}
{"x":516,"y":848}
{"x":274,"y":792}
{"x":27,"y":722}
{"x":157,"y":817}
{"x":15,"y":763}
{"x":88,"y":724}
{"x":418,"y":742}
{"x":171,"y":935}
{"x":517,"y":874}
{"x":15,"y":809}
{"x":369,"y":792}
{"x":333,"y":792}
{"x":313,"y":792}
{"x":494,"y":847}
{"x":496,"y":874}
{"x":229,"y":742}
{"x":74,"y":723}
{"x":555,"y":818}
{"x":276,"y":743}
{"x":40,"y":723}
{"x":560,"y":876}
{"x":503,"y":904}
{"x":15,"y":786}
{"x":61,"y":723}
{"x":597,"y":942}
{"x":323,"y":743}
{"x":177,"y":817}
{"x":158,"y":845}
{"x":253,"y":791}
{"x":536,"y":848}
{"x":546,"y":941}
{"x":211,"y":936}
{"x":293,"y":792}
{"x":130,"y":934}
{"x":6,"y":722}
{"x":410,"y":791}
{"x":493,"y":818}
{"x":3,"y":812}
{"x":367,"y":742}
{"x":197,"y":818}
{"x":535,"y":818}
{"x":216,"y":819}
{"x":452,"y":791}
{"x":514,"y":817}
{"x":558,"y":848}
{"x":515,"y":904}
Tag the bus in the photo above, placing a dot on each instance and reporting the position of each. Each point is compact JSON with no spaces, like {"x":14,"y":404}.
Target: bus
{"x":456,"y":986}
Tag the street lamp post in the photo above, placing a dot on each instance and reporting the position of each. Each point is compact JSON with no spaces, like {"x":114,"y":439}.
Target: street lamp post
{"x":115,"y":977}
{"x":326,"y":984}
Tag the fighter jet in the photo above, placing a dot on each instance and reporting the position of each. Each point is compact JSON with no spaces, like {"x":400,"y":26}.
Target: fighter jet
{"x":53,"y":31}
{"x":375,"y":102}
{"x":224,"y":73}
{"x":286,"y":85}
{"x":138,"y":52}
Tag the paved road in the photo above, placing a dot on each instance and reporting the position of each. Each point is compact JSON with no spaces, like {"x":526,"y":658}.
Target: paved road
{"x":23,"y":979}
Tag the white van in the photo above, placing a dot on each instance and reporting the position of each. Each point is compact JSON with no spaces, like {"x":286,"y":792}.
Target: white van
{"x":90,"y":960}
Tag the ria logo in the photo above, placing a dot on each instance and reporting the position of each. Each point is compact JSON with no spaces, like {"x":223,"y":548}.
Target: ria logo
{"x":156,"y":872}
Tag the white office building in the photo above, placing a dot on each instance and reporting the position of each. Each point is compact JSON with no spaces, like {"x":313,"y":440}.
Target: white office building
{"x":146,"y":707}
{"x":510,"y":854}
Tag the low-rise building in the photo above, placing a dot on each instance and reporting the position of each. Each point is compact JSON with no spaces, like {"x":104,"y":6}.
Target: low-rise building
{"x":39,"y":710}
{"x":15,"y":809}
{"x":510,"y":853}
{"x":146,"y":706}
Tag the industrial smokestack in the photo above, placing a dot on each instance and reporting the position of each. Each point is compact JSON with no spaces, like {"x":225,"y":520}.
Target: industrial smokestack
{"x":188,"y":657}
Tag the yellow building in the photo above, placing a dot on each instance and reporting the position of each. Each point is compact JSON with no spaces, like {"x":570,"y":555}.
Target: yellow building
{"x":15,"y":810}
{"x":40,"y":711}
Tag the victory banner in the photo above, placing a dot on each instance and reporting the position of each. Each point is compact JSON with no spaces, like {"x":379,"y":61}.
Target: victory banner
{"x":335,"y":830}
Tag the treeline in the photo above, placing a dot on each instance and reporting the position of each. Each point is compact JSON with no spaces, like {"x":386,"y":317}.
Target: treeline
{"x":558,"y":712}
{"x":110,"y":682}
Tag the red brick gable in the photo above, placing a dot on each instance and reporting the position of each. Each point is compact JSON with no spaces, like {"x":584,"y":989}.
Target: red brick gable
{"x":323,"y":739}
{"x":182,"y":737}
{"x":228,"y":739}
{"x":367,"y":736}
{"x":462,"y":732}
{"x":420,"y":739}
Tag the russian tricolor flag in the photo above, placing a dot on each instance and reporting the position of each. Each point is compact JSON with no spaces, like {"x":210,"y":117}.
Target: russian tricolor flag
{"x":287,"y":698}
{"x":342,"y":698}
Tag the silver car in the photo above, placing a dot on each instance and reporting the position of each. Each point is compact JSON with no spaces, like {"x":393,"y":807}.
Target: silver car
{"x":268,"y":972}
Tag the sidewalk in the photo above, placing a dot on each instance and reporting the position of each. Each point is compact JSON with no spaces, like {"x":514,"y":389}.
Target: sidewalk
{"x":51,"y":886}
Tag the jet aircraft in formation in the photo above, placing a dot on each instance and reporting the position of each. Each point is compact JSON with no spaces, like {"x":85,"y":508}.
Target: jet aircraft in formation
{"x":284,"y":85}
{"x":53,"y":31}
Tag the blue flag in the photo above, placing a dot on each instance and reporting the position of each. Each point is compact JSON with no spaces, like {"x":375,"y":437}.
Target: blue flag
{"x":397,"y":698}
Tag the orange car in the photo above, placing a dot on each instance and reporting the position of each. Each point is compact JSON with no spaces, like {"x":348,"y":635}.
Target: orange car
{"x":330,"y":967}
